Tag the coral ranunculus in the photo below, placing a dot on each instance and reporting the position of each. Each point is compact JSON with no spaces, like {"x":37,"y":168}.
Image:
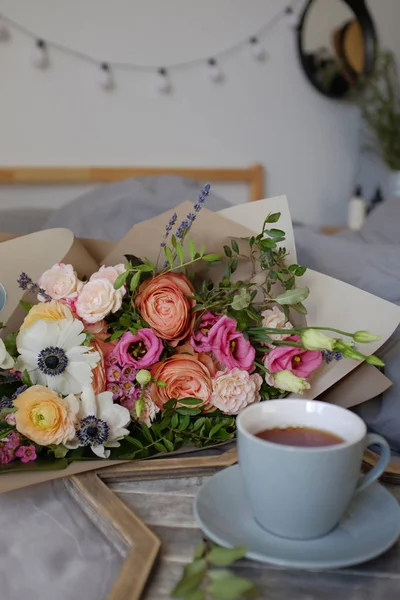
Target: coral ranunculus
{"x":164,"y":304}
{"x":99,"y":381}
{"x":44,"y":417}
{"x":184,"y":375}
{"x":48,"y":311}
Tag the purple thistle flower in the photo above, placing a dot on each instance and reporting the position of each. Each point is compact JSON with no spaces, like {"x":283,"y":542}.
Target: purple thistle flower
{"x":26,"y":283}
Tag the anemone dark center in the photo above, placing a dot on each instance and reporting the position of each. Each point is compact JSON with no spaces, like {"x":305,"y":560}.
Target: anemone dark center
{"x":52,"y":361}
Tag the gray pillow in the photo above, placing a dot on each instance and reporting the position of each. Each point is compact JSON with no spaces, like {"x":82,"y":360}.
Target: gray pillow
{"x":110,"y":211}
{"x":22,"y":220}
{"x":374,"y":268}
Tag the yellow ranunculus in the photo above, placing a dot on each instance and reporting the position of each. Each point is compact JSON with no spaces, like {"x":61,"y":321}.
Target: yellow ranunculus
{"x":48,"y":311}
{"x":44,"y":417}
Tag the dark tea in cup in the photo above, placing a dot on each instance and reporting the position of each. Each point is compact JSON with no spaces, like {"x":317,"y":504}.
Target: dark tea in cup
{"x":300,"y":436}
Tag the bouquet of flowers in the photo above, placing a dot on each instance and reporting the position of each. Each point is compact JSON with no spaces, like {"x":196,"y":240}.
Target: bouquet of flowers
{"x":145,"y":357}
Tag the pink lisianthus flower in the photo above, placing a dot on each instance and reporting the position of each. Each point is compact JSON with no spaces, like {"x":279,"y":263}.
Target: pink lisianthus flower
{"x":298,"y":360}
{"x":26,"y":453}
{"x":141,"y":350}
{"x":199,"y":339}
{"x":230,"y":347}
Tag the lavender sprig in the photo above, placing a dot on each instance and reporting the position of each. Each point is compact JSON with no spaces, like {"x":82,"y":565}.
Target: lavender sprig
{"x":168,"y":229}
{"x":330,"y":356}
{"x":186,"y":224}
{"x":26,"y":283}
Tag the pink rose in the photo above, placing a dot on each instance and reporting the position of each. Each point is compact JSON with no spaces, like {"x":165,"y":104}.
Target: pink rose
{"x":229,"y":346}
{"x":288,"y":358}
{"x":234,"y":390}
{"x":60,"y":282}
{"x":199,"y":339}
{"x":140,"y":350}
{"x":274,"y":318}
{"x":97,"y":299}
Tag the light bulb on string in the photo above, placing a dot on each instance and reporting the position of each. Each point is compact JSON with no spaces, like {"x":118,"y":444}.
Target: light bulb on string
{"x":40,"y":55}
{"x":214,"y":71}
{"x":163,"y":82}
{"x":257,"y":50}
{"x":4,"y":31}
{"x":105,"y":77}
{"x":292,"y":16}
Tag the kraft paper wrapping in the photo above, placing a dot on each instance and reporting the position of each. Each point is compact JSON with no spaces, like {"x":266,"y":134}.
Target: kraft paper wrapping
{"x":331,"y":302}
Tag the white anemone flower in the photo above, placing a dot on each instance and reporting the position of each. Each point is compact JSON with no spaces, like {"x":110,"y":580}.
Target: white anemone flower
{"x":102,"y":423}
{"x":6,"y":361}
{"x":53,"y":355}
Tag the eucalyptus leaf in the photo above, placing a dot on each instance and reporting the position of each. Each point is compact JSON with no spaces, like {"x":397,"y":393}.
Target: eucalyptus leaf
{"x":159,"y":446}
{"x":294,"y":296}
{"x":231,"y":588}
{"x":223,"y":557}
{"x":211,"y":257}
{"x":228,"y":251}
{"x":199,"y":550}
{"x":190,"y":401}
{"x":169,"y":445}
{"x":25,"y":378}
{"x":273,"y":218}
{"x":187,"y":585}
{"x":235,"y":246}
{"x":180,"y":252}
{"x":146,"y":432}
{"x":134,"y":441}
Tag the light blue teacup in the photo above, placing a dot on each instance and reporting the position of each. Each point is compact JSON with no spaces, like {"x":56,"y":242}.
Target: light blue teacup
{"x":297,"y":492}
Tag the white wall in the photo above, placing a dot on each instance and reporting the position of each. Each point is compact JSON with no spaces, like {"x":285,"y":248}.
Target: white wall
{"x":262,"y":112}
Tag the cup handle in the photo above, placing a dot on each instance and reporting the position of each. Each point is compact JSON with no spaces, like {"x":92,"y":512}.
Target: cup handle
{"x":384,"y":458}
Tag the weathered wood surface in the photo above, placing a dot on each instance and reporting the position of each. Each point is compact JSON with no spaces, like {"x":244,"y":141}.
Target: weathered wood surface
{"x":166,"y":507}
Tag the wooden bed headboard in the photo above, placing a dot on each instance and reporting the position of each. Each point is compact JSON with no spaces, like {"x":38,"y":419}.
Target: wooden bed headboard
{"x":253,"y":176}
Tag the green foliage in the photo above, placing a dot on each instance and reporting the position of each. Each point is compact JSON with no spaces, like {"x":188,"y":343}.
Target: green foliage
{"x":200,"y":581}
{"x":380,"y":109}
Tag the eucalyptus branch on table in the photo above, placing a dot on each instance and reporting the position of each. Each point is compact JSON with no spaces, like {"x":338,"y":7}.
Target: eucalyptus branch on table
{"x":206,"y":579}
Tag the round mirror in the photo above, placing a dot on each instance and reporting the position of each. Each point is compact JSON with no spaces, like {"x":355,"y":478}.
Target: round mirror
{"x":336,"y":44}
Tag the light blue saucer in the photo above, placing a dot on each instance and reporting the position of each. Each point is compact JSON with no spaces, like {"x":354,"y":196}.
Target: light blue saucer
{"x":369,"y":528}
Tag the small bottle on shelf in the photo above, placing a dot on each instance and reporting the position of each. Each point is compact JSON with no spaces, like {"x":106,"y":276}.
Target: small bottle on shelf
{"x":356,"y":210}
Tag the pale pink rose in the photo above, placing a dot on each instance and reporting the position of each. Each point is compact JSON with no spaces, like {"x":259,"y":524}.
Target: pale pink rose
{"x":98,"y":299}
{"x":60,"y":282}
{"x":234,"y":390}
{"x":274,"y":318}
{"x":148,"y":413}
{"x":97,"y":328}
{"x":110,"y":273}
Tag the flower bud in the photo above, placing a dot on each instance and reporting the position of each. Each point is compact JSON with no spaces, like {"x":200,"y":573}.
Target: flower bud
{"x":313,"y":339}
{"x":288,"y":382}
{"x":363,"y":337}
{"x":143,"y":377}
{"x":374,"y":360}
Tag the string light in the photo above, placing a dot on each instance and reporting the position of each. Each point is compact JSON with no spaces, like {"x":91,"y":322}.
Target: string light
{"x":40,"y":55}
{"x":4,"y":31}
{"x":105,"y":78}
{"x":214,"y":71}
{"x":257,"y":50}
{"x":163,"y":82}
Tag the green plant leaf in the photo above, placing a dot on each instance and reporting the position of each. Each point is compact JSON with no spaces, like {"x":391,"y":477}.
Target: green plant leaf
{"x":211,"y":257}
{"x":180,"y":252}
{"x":116,"y":335}
{"x":199,"y":550}
{"x":235,"y":246}
{"x":135,"y":281}
{"x":214,"y":430}
{"x":202,"y":249}
{"x":35,"y":465}
{"x":241,"y":300}
{"x":273,"y":218}
{"x":223,"y":557}
{"x":300,"y":308}
{"x":139,"y":407}
{"x":119,"y":282}
{"x":195,"y":595}
{"x":169,"y":445}
{"x":59,"y":450}
{"x":175,"y":421}
{"x":25,"y":378}
{"x":169,"y":256}
{"x":159,"y":446}
{"x":228,"y":251}
{"x":25,"y":305}
{"x":184,"y":422}
{"x":294,"y":296}
{"x":187,"y":585}
{"x":188,"y":411}
{"x":191,"y":248}
{"x":198,"y":423}
{"x":173,"y":241}
{"x":134,"y":441}
{"x":190,"y":401}
{"x":146,"y":432}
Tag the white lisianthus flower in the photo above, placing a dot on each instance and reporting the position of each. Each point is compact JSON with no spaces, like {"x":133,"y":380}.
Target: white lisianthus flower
{"x":53,"y":354}
{"x":234,"y":390}
{"x":101,"y":423}
{"x":312,"y":339}
{"x":289,"y":382}
{"x":6,"y":361}
{"x":60,"y":282}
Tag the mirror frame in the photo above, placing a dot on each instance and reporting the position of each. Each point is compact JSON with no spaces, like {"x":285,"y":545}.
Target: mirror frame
{"x":363,"y":16}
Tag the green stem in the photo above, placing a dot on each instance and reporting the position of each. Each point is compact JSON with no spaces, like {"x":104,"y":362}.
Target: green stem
{"x":183,"y":265}
{"x":346,"y":333}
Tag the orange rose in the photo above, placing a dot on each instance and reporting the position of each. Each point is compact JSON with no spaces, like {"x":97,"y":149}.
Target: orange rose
{"x":185,"y":376}
{"x":164,"y":304}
